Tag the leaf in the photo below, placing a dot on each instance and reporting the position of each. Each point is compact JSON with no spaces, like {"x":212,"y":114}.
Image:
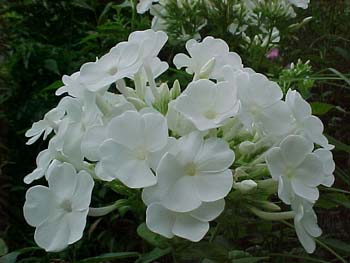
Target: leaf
{"x":150,"y":237}
{"x":320,"y":108}
{"x":338,"y":245}
{"x":12,"y":257}
{"x":239,"y":256}
{"x":51,"y":65}
{"x":53,"y":86}
{"x":3,"y":247}
{"x":153,"y":255}
{"x":343,"y":77}
{"x":343,"y":52}
{"x":110,"y":256}
{"x":104,"y":12}
{"x":340,"y":146}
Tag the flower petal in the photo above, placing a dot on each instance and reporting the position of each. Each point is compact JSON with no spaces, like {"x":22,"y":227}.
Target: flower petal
{"x":160,"y":220}
{"x":213,"y":186}
{"x":190,"y":228}
{"x":294,"y":149}
{"x":37,"y":206}
{"x":82,"y":194}
{"x":77,"y":222}
{"x":208,"y":211}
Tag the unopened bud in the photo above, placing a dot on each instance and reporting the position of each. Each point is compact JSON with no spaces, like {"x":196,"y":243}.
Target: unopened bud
{"x":246,"y":147}
{"x":175,"y":90}
{"x":245,"y":186}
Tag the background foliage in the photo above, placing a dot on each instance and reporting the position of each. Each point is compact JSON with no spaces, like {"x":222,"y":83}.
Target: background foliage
{"x":42,"y":40}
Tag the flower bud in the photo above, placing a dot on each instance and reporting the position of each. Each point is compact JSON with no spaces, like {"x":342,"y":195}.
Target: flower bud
{"x":175,"y":91}
{"x":246,"y":147}
{"x":245,"y":186}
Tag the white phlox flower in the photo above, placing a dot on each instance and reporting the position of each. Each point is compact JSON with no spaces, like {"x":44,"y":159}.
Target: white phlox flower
{"x":196,"y":172}
{"x":210,"y":49}
{"x":297,"y":170}
{"x":127,"y":153}
{"x":59,"y":212}
{"x":305,"y":123}
{"x":206,"y":104}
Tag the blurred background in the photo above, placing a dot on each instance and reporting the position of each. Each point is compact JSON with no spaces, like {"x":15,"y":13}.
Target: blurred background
{"x":41,"y":40}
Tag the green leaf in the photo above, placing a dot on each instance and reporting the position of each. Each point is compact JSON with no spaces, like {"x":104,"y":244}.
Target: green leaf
{"x":110,"y":256}
{"x":338,"y":245}
{"x":3,"y":247}
{"x":320,"y":108}
{"x":51,"y":65}
{"x":342,"y":76}
{"x":53,"y":86}
{"x":338,"y":144}
{"x":150,"y":237}
{"x":239,"y":256}
{"x":12,"y":257}
{"x":153,"y":255}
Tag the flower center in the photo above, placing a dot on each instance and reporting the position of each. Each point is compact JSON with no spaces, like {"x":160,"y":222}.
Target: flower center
{"x":210,"y":114}
{"x":191,"y":169}
{"x":141,"y":154}
{"x":67,"y":206}
{"x":289,"y":173}
{"x":112,"y":71}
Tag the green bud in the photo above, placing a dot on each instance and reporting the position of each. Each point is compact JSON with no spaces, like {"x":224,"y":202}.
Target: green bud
{"x":175,"y":90}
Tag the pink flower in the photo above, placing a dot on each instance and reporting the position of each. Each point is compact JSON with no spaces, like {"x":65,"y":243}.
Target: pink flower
{"x":273,"y":54}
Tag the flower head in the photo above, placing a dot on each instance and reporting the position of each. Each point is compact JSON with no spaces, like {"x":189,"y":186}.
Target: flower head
{"x":59,"y":211}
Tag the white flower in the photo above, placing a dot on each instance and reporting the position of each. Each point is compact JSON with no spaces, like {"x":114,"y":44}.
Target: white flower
{"x":305,"y":123}
{"x":46,"y":126}
{"x":202,"y":53}
{"x":206,"y":104}
{"x":72,"y":86}
{"x":198,"y":172}
{"x":123,"y":60}
{"x":191,"y":225}
{"x":326,"y":158}
{"x":297,"y":170}
{"x":305,"y":223}
{"x":59,"y":211}
{"x":127,"y":155}
{"x":261,"y":106}
{"x":144,"y":5}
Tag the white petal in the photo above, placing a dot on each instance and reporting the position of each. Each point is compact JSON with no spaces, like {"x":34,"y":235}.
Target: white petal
{"x":314,"y":128}
{"x":82,"y":194}
{"x":91,"y":142}
{"x":38,"y":205}
{"x":62,"y":181}
{"x":294,"y":149}
{"x":190,"y":228}
{"x":213,"y":186}
{"x":53,"y":234}
{"x":208,"y":211}
{"x":181,"y":60}
{"x":275,"y":163}
{"x":309,"y":193}
{"x":310,"y":171}
{"x":214,"y":156}
{"x":160,"y":220}
{"x":156,"y":131}
{"x":189,"y":146}
{"x":43,"y":161}
{"x":285,"y":191}
{"x":136,"y":174}
{"x":182,"y":195}
{"x":77,"y":222}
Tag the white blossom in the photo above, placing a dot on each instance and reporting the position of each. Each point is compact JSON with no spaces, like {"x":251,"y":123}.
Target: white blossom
{"x":202,"y":53}
{"x":132,"y":139}
{"x":206,"y":104}
{"x":297,"y":170}
{"x":58,"y":212}
{"x":198,"y":172}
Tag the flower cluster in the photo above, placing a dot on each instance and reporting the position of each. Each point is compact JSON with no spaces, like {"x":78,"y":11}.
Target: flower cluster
{"x":244,"y":16}
{"x":188,"y":151}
